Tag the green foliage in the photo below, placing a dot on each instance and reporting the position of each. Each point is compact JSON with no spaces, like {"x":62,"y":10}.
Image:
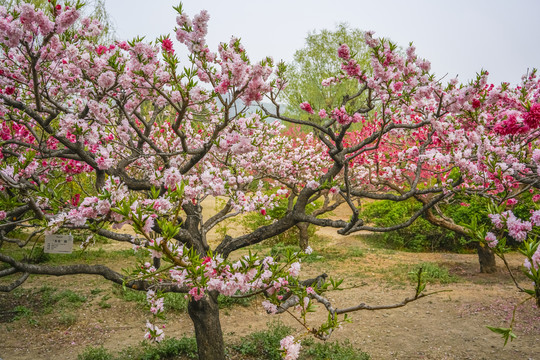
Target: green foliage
{"x":254,"y":220}
{"x":317,"y":61}
{"x":433,"y":273}
{"x":264,"y":344}
{"x":506,"y":333}
{"x":419,"y":236}
{"x":331,"y":351}
{"x":95,"y":353}
{"x":184,"y":348}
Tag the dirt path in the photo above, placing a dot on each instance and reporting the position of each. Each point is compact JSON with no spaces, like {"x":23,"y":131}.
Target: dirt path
{"x":447,"y":325}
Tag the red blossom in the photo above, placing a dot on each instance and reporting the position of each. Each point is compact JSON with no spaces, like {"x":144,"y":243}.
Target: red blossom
{"x":167,"y":45}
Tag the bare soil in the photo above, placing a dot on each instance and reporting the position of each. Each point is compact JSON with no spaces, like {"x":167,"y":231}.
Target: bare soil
{"x":446,"y":325}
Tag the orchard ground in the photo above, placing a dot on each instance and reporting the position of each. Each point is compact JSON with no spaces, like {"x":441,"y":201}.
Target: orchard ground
{"x":447,"y":325}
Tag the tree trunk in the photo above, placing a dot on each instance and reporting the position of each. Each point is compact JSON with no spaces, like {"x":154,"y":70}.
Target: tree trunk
{"x":303,"y":235}
{"x":205,"y":316}
{"x":486,"y":258}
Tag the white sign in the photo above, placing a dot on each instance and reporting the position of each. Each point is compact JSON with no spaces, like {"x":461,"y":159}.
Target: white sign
{"x":58,"y":244}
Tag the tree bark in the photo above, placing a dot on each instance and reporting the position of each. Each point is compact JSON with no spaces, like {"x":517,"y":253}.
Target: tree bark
{"x":205,"y":316}
{"x":486,"y":257}
{"x":303,"y":236}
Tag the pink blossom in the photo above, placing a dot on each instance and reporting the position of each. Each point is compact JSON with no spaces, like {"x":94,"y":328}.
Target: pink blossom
{"x":306,"y":107}
{"x":196,"y":293}
{"x":106,"y":80}
{"x":294,"y":270}
{"x":491,"y":240}
{"x":511,"y":202}
{"x":153,"y":333}
{"x":313,"y":185}
{"x":291,"y":348}
{"x":2,"y":215}
{"x":517,"y":228}
{"x":496,"y":220}
{"x":535,"y":217}
{"x":269,"y":307}
{"x":532,"y":117}
{"x":322,"y":113}
{"x":536,"y":258}
{"x":344,"y":52}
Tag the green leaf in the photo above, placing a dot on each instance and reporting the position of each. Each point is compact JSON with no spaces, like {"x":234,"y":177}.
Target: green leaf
{"x":505,"y":332}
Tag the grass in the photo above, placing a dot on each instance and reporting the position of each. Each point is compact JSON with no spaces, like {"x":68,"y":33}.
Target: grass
{"x":176,"y":302}
{"x":319,"y":255}
{"x":183,"y":348}
{"x":260,"y":345}
{"x":33,"y":305}
{"x":88,"y":256}
{"x":431,"y":272}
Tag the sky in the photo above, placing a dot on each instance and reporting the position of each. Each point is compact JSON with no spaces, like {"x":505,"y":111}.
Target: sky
{"x":458,"y":37}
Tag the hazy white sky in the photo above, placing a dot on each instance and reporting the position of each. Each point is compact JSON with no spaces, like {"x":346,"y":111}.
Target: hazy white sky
{"x":459,"y":37}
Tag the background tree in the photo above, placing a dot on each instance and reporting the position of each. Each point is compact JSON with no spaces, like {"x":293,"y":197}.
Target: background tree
{"x":318,"y":61}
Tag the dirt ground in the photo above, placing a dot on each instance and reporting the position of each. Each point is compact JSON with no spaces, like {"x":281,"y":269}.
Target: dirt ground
{"x":447,"y":325}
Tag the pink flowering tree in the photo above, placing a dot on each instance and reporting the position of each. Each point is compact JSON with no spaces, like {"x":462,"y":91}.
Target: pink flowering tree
{"x":98,"y":137}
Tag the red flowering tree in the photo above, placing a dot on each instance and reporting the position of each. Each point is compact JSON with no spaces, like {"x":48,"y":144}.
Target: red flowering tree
{"x":95,"y":137}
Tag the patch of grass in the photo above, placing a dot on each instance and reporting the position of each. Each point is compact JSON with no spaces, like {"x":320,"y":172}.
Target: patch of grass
{"x":331,"y":351}
{"x":175,"y":302}
{"x":355,"y":252}
{"x":22,"y":312}
{"x":431,"y":273}
{"x":67,"y":319}
{"x":70,"y":297}
{"x":103,"y":302}
{"x":95,"y":353}
{"x":130,"y":295}
{"x":183,"y":348}
{"x":264,"y":344}
{"x":226,"y":302}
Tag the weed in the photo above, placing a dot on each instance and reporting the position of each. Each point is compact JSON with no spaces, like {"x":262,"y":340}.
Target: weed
{"x":127,"y":294}
{"x":70,"y":297}
{"x":226,"y":302}
{"x":95,"y":353}
{"x":264,"y":344}
{"x":175,"y":302}
{"x":22,"y":312}
{"x":431,"y":273}
{"x":67,"y":319}
{"x":332,"y":351}
{"x":96,"y":291}
{"x":103,"y":302}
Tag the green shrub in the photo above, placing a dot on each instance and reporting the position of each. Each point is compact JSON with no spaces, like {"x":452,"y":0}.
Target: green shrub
{"x":432,"y":273}
{"x":95,"y":353}
{"x":421,"y":235}
{"x":254,"y":220}
{"x":331,"y":351}
{"x":264,"y":344}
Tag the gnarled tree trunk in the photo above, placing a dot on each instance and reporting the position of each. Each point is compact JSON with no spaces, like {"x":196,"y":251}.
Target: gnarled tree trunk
{"x":303,"y":235}
{"x":205,"y":316}
{"x":486,"y":257}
